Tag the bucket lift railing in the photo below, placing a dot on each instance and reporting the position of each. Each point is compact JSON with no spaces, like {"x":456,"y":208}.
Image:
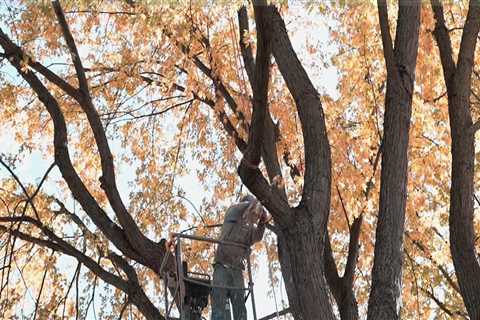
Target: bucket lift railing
{"x":183,"y":277}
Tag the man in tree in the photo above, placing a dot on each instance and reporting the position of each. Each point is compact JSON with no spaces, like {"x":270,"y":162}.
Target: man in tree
{"x":238,"y":226}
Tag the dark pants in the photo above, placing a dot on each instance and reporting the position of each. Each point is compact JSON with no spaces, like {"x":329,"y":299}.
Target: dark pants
{"x":228,"y":277}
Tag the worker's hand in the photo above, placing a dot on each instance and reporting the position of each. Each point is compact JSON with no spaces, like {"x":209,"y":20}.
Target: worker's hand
{"x":264,"y":217}
{"x":170,"y":243}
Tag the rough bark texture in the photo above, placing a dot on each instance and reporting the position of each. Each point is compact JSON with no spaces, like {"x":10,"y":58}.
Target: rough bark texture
{"x":385,"y":296}
{"x":309,"y":296}
{"x":458,"y":81}
{"x":342,"y":287}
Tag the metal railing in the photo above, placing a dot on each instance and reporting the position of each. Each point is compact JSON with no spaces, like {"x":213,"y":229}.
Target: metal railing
{"x":182,"y":275}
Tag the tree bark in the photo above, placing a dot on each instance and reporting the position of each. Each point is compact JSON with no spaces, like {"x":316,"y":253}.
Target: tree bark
{"x":458,"y":82}
{"x":385,"y":296}
{"x":342,"y":287}
{"x":300,"y":260}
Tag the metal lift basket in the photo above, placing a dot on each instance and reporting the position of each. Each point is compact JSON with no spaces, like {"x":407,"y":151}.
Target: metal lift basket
{"x":190,"y":290}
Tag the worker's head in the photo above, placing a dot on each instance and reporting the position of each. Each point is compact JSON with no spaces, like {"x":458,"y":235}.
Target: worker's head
{"x":255,"y":209}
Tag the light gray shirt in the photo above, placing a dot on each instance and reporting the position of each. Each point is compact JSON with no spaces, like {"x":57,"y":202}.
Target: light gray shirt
{"x":237,"y":228}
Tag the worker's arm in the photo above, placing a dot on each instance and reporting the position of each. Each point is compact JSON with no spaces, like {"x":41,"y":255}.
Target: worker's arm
{"x":260,"y":229}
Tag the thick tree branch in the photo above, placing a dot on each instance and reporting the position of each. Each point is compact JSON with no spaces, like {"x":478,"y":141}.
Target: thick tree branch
{"x":385,"y":294}
{"x":467,"y":46}
{"x":386,"y":37}
{"x":444,"y":43}
{"x":342,"y":287}
{"x":252,"y":155}
{"x":331,"y":271}
{"x":37,"y":66}
{"x":246,"y":50}
{"x":353,"y":247}
{"x":269,"y":148}
{"x":248,"y":168}
{"x":63,"y":161}
{"x":316,"y":193}
{"x":270,"y":156}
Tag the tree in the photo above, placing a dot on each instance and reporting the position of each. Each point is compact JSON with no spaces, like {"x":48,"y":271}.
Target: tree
{"x":458,"y":81}
{"x":132,"y":63}
{"x":400,"y":60}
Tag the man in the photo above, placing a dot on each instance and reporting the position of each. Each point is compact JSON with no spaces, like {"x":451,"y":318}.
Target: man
{"x":238,"y":226}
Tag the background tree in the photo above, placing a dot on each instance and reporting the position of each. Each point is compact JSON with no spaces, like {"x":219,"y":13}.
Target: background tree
{"x":458,"y":81}
{"x":400,"y":60}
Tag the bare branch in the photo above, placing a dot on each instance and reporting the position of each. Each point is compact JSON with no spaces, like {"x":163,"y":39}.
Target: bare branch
{"x":37,"y":302}
{"x":29,"y":198}
{"x":441,"y":268}
{"x":246,"y":50}
{"x":130,"y":287}
{"x":71,"y":251}
{"x":442,"y":305}
{"x":64,"y":299}
{"x":344,"y":209}
{"x":269,"y":149}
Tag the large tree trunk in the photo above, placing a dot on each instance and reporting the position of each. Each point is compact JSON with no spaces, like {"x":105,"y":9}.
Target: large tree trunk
{"x":285,"y":264}
{"x":462,"y":243}
{"x":385,"y":295}
{"x":307,"y":284}
{"x":458,"y":82}
{"x":462,"y":236}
